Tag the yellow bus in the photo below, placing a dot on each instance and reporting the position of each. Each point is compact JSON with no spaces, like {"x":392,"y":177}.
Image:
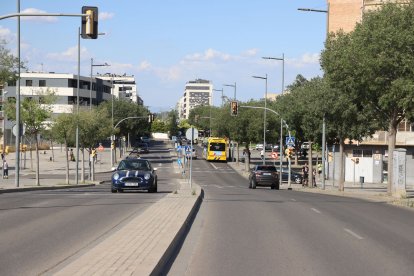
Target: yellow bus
{"x":215,"y":149}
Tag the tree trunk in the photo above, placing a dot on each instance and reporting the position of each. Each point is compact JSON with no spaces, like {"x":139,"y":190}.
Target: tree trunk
{"x":37,"y":161}
{"x":341,"y":165}
{"x":83,"y":166}
{"x":392,"y":136}
{"x":67,"y":162}
{"x":310,"y":160}
{"x":53,"y":153}
{"x":31,"y":156}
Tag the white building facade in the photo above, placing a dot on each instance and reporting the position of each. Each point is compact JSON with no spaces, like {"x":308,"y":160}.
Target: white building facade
{"x":196,"y":93}
{"x":91,"y":92}
{"x":124,"y":87}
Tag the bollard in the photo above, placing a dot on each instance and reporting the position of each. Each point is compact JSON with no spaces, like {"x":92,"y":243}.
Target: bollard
{"x":361,"y":181}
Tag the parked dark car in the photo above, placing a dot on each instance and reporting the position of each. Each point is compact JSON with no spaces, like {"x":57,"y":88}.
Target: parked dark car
{"x":134,"y":174}
{"x":142,"y":148}
{"x":294,"y":176}
{"x":264,"y":175}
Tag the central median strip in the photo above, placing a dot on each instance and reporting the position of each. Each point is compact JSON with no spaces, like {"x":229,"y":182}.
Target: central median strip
{"x":145,"y":244}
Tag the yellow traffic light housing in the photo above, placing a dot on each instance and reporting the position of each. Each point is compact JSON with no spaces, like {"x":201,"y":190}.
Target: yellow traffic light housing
{"x":89,"y":22}
{"x":234,"y":108}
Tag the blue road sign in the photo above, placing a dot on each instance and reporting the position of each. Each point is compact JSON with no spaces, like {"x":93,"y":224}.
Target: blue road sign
{"x":290,"y":141}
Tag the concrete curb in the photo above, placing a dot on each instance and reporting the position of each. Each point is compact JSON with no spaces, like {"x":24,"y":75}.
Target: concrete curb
{"x":42,"y":188}
{"x":165,"y":262}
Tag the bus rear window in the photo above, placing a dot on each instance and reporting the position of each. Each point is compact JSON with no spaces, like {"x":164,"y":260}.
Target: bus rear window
{"x":217,"y":147}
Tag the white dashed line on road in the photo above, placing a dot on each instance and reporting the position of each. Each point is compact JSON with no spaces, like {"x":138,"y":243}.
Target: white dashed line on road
{"x":353,"y":234}
{"x":316,"y":210}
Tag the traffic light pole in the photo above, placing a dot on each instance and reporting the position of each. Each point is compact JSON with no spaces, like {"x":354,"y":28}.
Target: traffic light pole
{"x":17,"y":169}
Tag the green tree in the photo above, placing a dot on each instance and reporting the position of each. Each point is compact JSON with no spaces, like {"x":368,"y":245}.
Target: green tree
{"x":123,"y":109}
{"x":158,"y":126}
{"x":374,"y":66}
{"x":9,"y":65}
{"x":93,"y":127}
{"x":172,"y":123}
{"x":34,"y":113}
{"x":63,"y":129}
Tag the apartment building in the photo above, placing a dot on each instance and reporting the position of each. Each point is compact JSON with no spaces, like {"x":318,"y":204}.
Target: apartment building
{"x":345,"y":14}
{"x":33,"y":84}
{"x":196,"y":93}
{"x":124,"y":87}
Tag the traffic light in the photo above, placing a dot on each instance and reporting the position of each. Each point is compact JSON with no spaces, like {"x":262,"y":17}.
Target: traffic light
{"x":287,"y":152}
{"x":234,"y":108}
{"x":90,"y":22}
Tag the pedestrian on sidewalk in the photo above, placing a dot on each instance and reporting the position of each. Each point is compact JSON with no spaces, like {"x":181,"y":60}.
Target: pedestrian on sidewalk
{"x":305,"y":175}
{"x":314,"y":178}
{"x":5,"y":169}
{"x":262,"y":154}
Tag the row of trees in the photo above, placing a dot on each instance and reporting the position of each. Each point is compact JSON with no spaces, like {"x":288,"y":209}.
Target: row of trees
{"x":94,"y":125}
{"x":368,"y":85}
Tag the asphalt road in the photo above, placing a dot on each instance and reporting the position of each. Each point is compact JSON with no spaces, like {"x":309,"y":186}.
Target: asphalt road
{"x":40,"y":230}
{"x":240,"y":231}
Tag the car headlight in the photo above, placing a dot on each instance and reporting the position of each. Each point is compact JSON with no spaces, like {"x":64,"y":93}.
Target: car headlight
{"x":147,"y":176}
{"x":116,"y":176}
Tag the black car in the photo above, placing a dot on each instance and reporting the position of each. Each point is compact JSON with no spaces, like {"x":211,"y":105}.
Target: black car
{"x":142,"y":148}
{"x":134,"y":174}
{"x":264,"y":175}
{"x":294,"y":176}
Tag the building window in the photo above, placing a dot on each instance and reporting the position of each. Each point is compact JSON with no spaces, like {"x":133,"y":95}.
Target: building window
{"x":72,"y":83}
{"x":29,"y":82}
{"x":42,"y":83}
{"x":362,"y":153}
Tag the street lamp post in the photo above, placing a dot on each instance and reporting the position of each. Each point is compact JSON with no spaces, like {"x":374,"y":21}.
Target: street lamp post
{"x":4,"y":120}
{"x":90,"y":88}
{"x":217,"y":90}
{"x":235,"y":87}
{"x":323,"y":122}
{"x":264,"y":119}
{"x":281,"y":120}
{"x":283,"y":69}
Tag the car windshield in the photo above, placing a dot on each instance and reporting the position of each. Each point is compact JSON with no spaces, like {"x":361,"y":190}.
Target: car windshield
{"x":134,"y":165}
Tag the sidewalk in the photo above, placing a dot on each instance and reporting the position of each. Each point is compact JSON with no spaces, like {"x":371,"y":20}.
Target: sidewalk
{"x":368,"y":191}
{"x":52,"y":173}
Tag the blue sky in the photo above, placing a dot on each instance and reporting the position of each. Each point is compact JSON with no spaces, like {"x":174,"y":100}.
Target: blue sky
{"x":166,"y":43}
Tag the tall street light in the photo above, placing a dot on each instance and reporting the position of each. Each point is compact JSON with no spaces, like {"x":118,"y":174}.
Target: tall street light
{"x":234,"y":86}
{"x":323,"y":122}
{"x":283,"y":69}
{"x":281,"y":120}
{"x":264,"y":119}
{"x":4,"y":120}
{"x":90,"y":88}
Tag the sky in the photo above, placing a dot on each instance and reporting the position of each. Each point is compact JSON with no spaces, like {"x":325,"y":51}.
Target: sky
{"x":165,"y":44}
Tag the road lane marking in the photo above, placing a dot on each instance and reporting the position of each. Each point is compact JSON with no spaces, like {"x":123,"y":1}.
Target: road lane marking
{"x":292,"y":199}
{"x":220,"y":187}
{"x":316,"y":210}
{"x":214,"y":166}
{"x":353,"y":234}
